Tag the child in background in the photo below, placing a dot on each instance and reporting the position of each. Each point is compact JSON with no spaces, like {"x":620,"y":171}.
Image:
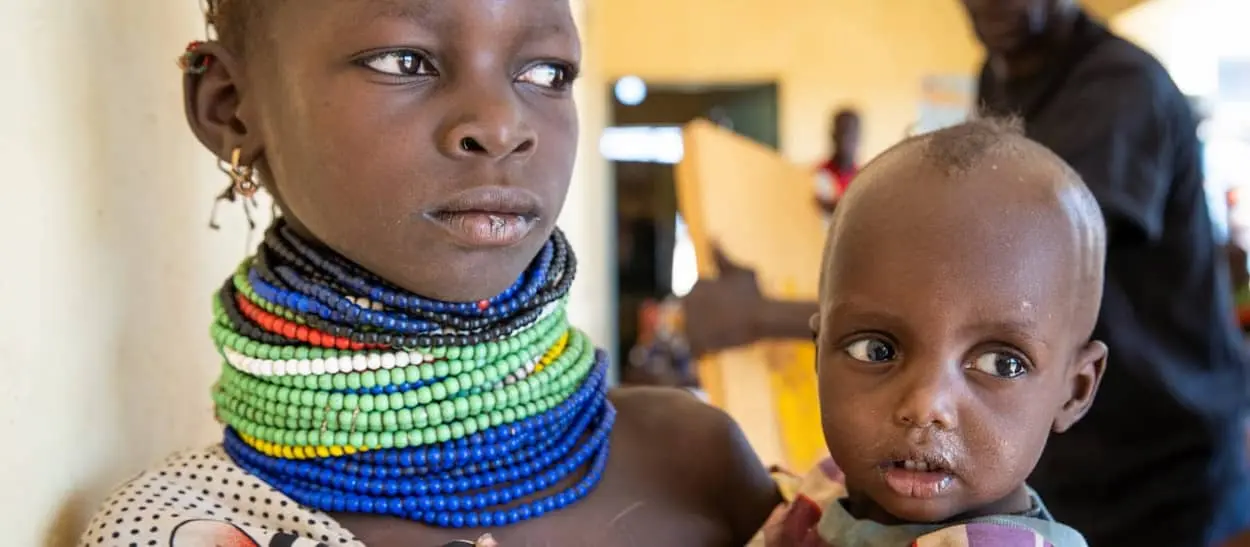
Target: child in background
{"x":834,"y":175}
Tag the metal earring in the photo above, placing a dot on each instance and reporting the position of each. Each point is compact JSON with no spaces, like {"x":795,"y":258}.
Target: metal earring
{"x":242,"y":187}
{"x":242,"y":177}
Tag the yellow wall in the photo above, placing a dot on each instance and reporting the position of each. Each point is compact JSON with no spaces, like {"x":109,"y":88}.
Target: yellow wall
{"x":823,"y":53}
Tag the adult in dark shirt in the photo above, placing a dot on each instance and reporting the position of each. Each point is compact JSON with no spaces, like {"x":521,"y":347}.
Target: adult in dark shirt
{"x":1160,"y":459}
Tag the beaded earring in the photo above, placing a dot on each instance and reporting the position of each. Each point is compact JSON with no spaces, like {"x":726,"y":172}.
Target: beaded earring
{"x":192,"y":62}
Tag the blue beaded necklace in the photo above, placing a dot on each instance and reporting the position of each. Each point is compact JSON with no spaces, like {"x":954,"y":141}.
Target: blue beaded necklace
{"x":436,"y":494}
{"x":348,"y":277}
{"x":540,"y":444}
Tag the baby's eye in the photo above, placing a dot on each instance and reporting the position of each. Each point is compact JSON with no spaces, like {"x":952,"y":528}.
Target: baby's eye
{"x":550,"y":75}
{"x":871,"y":350}
{"x":1001,"y":364}
{"x":400,"y":63}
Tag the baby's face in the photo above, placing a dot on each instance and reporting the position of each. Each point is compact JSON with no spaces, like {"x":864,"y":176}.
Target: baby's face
{"x":946,"y":348}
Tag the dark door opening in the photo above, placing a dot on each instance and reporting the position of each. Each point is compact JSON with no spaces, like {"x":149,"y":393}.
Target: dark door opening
{"x":642,"y":143}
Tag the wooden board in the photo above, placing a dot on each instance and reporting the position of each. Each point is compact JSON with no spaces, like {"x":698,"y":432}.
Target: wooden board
{"x":759,"y":209}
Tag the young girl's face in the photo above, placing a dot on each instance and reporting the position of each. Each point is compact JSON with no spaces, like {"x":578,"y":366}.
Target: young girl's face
{"x":430,"y":141}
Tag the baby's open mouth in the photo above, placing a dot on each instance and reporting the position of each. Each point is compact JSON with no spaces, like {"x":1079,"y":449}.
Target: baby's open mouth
{"x":917,"y":465}
{"x":915,"y":478}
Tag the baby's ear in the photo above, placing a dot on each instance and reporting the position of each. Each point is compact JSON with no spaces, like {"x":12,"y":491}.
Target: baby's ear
{"x":1084,"y":375}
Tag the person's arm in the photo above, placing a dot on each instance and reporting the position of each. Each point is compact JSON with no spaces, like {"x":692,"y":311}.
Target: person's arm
{"x":705,"y":453}
{"x":1121,"y":140}
{"x":729,"y":311}
{"x":748,"y":492}
{"x":790,"y":320}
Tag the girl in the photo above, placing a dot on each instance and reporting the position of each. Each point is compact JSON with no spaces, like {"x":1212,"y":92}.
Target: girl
{"x":397,"y":368}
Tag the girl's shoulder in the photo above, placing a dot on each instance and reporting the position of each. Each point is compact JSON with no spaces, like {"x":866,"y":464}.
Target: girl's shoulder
{"x":704,"y":451}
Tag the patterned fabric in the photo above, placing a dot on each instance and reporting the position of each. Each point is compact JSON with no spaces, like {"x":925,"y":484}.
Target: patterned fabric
{"x":202,"y":499}
{"x":813,"y":516}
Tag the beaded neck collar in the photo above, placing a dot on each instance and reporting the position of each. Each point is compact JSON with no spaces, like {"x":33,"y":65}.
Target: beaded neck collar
{"x":348,"y":394}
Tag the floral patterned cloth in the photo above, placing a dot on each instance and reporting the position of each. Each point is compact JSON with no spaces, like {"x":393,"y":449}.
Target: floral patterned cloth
{"x":813,"y":516}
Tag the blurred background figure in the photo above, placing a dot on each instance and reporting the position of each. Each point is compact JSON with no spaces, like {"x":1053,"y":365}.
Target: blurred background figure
{"x":834,"y":175}
{"x":1238,"y":263}
{"x":1172,"y":400}
{"x":661,"y":356}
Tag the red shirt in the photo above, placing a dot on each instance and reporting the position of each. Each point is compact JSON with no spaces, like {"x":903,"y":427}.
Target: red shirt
{"x":831,"y":182}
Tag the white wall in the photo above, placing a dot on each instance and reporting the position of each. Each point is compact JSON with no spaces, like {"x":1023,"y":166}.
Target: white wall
{"x":1189,"y":37}
{"x":589,"y":216}
{"x":108,"y":265}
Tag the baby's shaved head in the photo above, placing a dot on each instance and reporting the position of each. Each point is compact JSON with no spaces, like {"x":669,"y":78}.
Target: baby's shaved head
{"x":990,"y":166}
{"x":961,"y":148}
{"x":961,"y":282}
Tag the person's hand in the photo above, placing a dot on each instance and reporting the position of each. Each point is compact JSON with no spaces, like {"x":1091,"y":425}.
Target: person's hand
{"x":723,"y":313}
{"x":793,"y":525}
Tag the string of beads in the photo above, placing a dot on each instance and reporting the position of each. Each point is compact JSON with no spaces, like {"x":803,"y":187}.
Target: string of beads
{"x":348,"y":394}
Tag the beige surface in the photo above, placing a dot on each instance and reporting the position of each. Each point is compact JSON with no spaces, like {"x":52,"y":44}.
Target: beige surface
{"x":758,"y":208}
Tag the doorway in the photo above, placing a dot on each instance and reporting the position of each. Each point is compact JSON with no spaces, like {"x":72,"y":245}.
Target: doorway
{"x":643,"y":142}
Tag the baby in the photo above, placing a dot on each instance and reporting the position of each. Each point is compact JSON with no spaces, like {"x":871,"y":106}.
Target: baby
{"x":962,"y":277}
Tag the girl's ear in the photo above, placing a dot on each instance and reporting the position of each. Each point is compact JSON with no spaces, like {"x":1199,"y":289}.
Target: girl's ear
{"x":214,"y":98}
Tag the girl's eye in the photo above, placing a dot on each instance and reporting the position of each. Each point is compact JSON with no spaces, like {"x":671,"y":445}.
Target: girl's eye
{"x":871,"y":350}
{"x":400,"y":63}
{"x":1000,"y":364}
{"x":549,"y":75}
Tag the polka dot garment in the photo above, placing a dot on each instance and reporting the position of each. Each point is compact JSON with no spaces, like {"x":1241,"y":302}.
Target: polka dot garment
{"x":203,"y":498}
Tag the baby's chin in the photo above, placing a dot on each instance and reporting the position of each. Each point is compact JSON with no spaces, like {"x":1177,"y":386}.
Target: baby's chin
{"x":952,"y":504}
{"x":932,"y":511}
{"x":894,"y":507}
